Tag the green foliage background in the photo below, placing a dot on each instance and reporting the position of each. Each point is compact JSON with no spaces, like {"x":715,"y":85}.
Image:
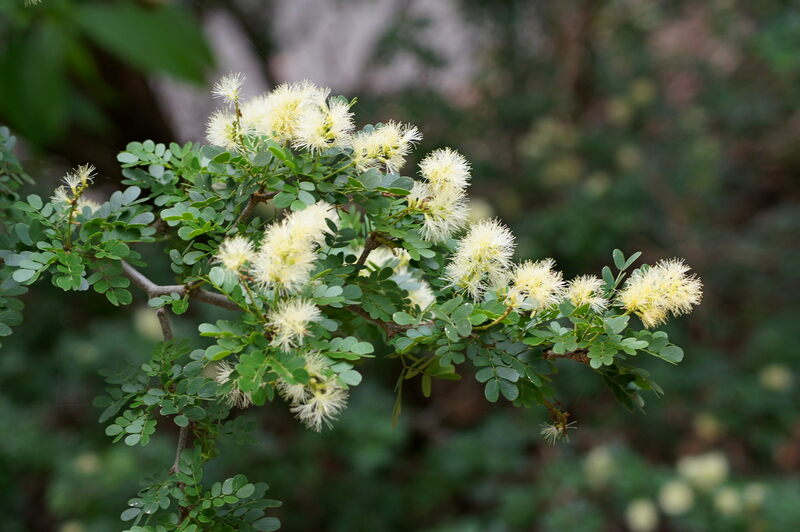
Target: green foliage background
{"x":670,"y":127}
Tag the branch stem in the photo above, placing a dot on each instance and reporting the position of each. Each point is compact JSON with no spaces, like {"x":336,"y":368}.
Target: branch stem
{"x":491,"y":324}
{"x":155,"y":290}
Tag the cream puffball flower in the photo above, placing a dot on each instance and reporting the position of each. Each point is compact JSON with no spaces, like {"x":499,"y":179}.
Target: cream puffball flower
{"x":311,"y":223}
{"x":587,"y":290}
{"x":535,"y":285}
{"x":236,"y":397}
{"x":223,"y":130}
{"x":276,"y":114}
{"x":422,"y":296}
{"x":445,"y":169}
{"x":290,"y":322}
{"x":387,"y":145}
{"x":482,"y":258}
{"x":324,"y":124}
{"x":235,"y":252}
{"x":229,"y":87}
{"x":287,"y":252}
{"x":319,"y":401}
{"x":324,"y":403}
{"x":655,"y":292}
{"x":444,"y":211}
{"x":75,"y":184}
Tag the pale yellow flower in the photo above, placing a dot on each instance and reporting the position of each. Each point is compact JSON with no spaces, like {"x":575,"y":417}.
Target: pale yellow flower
{"x":319,"y":401}
{"x":676,"y":497}
{"x":655,"y":292}
{"x":641,"y":515}
{"x":445,"y":169}
{"x":223,"y":130}
{"x":236,"y":397}
{"x":290,"y":322}
{"x":587,"y":290}
{"x":706,"y":471}
{"x":287,"y":253}
{"x":387,"y":146}
{"x":422,"y":296}
{"x":482,"y":258}
{"x":324,"y":124}
{"x":276,"y":114}
{"x":535,"y":285}
{"x":235,"y":252}
{"x":229,"y":87}
{"x":444,"y":211}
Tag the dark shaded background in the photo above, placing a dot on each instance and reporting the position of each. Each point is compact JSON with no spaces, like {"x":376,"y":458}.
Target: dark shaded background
{"x":666,"y":127}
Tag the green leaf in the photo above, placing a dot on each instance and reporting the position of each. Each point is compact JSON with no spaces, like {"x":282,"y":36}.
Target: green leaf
{"x":127,"y":157}
{"x":671,"y":353}
{"x":631,"y":260}
{"x":181,"y":420}
{"x":403,"y":318}
{"x":362,"y":348}
{"x":616,"y":324}
{"x":245,"y":491}
{"x":350,"y":377}
{"x":484,"y":374}
{"x":35,"y":201}
{"x":22,"y":275}
{"x":130,"y":513}
{"x":509,"y":390}
{"x":267,"y":524}
{"x":619,"y":259}
{"x":492,"y":391}
{"x":306,"y":197}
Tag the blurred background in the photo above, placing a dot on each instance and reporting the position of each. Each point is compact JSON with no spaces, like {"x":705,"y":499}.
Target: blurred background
{"x":669,"y":127}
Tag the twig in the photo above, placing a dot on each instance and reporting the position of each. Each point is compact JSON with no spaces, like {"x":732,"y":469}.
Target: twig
{"x":391,"y":328}
{"x":166,"y":326}
{"x":182,"y":437}
{"x":155,"y":290}
{"x":254,"y":200}
{"x":500,"y":318}
{"x":369,"y":244}
{"x":579,"y":355}
{"x":166,"y":331}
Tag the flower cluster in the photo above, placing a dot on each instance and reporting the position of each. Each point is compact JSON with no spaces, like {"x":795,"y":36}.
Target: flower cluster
{"x":441,"y":197}
{"x":653,"y":293}
{"x":482,"y":258}
{"x":320,"y":400}
{"x":236,"y":397}
{"x":307,"y":117}
{"x":75,"y":184}
{"x":387,"y":145}
{"x":290,"y":322}
{"x":535,"y":285}
{"x":287,"y":252}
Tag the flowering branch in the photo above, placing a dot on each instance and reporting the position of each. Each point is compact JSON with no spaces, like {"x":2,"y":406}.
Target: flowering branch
{"x":155,"y":290}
